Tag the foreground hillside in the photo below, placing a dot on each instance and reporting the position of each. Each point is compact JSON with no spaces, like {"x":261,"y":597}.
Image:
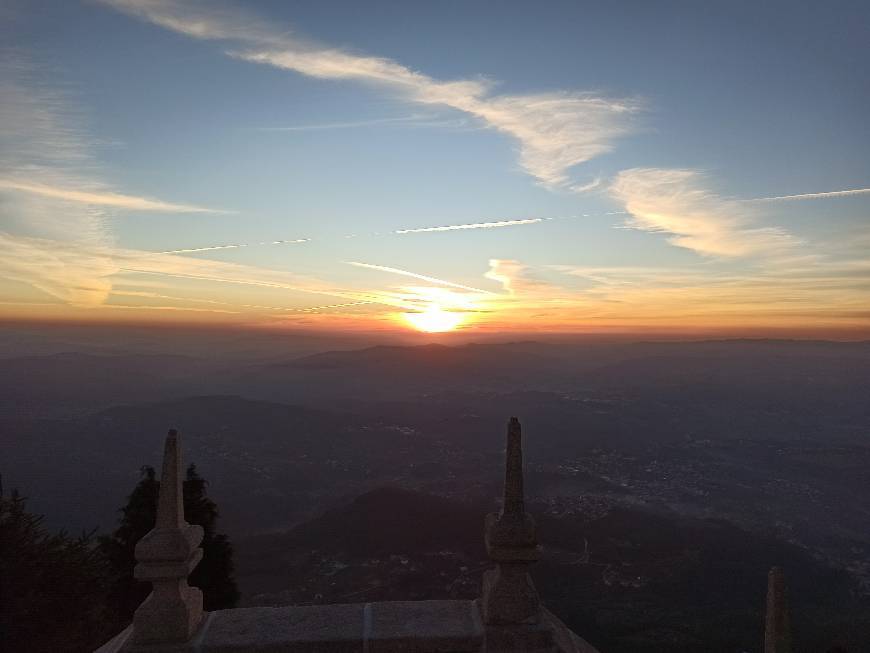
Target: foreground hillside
{"x":629,"y":580}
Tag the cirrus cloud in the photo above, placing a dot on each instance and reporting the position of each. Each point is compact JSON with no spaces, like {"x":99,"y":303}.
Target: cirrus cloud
{"x":101,"y":198}
{"x":680,"y":203}
{"x":555,"y":131}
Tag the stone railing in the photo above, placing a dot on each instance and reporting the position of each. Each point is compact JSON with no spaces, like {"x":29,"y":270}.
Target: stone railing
{"x":508,"y":616}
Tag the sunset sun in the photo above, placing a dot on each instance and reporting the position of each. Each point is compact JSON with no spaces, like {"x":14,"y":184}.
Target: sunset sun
{"x":434,"y":319}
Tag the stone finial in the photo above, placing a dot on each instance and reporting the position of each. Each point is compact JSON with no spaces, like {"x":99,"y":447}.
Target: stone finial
{"x":514,"y":502}
{"x":170,"y":503}
{"x":509,"y":596}
{"x":166,"y":556}
{"x":777,"y":630}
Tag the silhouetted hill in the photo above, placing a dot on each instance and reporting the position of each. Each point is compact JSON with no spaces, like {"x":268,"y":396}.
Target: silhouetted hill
{"x":380,"y":522}
{"x":74,"y":383}
{"x":249,"y":419}
{"x":778,"y":368}
{"x":387,"y":372}
{"x":630,"y":580}
{"x":823,"y":377}
{"x":366,"y":545}
{"x":268,"y":463}
{"x":437,"y":358}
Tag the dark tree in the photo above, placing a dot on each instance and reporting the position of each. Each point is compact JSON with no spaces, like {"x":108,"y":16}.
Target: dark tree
{"x":52,"y":586}
{"x":137,"y":518}
{"x":215,"y":573}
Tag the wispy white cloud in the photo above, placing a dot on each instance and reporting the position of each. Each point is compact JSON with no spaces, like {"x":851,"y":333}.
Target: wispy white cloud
{"x":197,"y":300}
{"x":415,"y":230}
{"x":50,"y":183}
{"x":514,"y":276}
{"x":189,"y":309}
{"x":326,"y":307}
{"x":76,"y":276}
{"x":53,"y":216}
{"x":414,"y":275}
{"x":101,"y":198}
{"x":154,"y":295}
{"x":474,"y":225}
{"x":498,"y":224}
{"x":211,"y":248}
{"x":231,"y":273}
{"x":626,"y":275}
{"x":555,"y":130}
{"x":80,"y":274}
{"x":598,"y":182}
{"x":679,"y":203}
{"x":42,"y":140}
{"x":412,"y":120}
{"x":815,"y":196}
{"x":821,"y":291}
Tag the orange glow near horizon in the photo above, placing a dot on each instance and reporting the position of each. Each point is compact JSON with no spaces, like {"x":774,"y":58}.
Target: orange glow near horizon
{"x":438,"y":311}
{"x":434,"y":319}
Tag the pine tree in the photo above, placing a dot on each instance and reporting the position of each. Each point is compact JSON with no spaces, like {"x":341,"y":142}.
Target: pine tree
{"x":137,"y":518}
{"x":52,"y":586}
{"x":214,"y":575}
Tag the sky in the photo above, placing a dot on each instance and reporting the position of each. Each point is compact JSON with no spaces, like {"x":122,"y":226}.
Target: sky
{"x":469,"y":167}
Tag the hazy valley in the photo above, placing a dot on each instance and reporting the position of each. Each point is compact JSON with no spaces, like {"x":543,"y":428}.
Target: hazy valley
{"x":666,"y":477}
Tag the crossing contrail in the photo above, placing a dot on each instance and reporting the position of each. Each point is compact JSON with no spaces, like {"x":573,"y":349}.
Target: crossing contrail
{"x":414,"y":275}
{"x":474,"y":225}
{"x":814,"y":196}
{"x":497,"y":224}
{"x":237,"y":246}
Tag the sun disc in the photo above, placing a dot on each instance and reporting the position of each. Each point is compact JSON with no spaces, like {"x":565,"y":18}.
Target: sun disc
{"x":434,"y":320}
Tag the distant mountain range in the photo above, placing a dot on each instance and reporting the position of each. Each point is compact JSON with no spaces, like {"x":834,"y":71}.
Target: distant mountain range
{"x":625,"y":445}
{"x":365,"y":416}
{"x":386,"y":373}
{"x":267,"y":463}
{"x":75,"y":383}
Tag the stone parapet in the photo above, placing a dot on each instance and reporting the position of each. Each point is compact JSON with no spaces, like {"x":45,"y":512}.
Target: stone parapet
{"x":387,"y":627}
{"x":508,"y":618}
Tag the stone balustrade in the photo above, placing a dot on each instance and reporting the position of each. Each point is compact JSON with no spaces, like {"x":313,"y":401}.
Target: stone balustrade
{"x":508,"y":617}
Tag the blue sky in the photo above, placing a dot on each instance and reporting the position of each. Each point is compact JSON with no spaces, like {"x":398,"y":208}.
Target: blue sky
{"x":638,"y":136}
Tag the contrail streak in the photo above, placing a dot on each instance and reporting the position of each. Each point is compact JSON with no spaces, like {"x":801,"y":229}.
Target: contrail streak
{"x":422,"y":277}
{"x":103,"y":198}
{"x":414,"y":230}
{"x":154,"y":295}
{"x":238,"y":246}
{"x":814,"y":196}
{"x":475,"y":225}
{"x":373,"y":298}
{"x":312,"y":309}
{"x":146,"y":307}
{"x":201,"y":249}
